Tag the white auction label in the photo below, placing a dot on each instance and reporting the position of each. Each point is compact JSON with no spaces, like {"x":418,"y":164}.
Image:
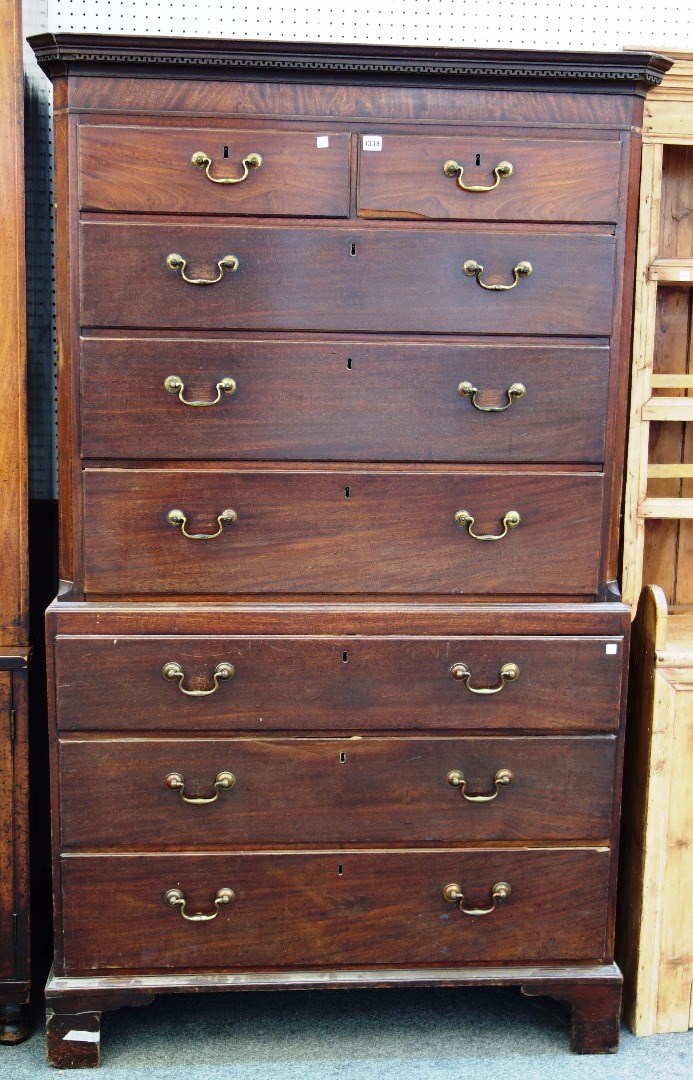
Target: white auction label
{"x":372,"y":142}
{"x":322,"y":141}
{"x":611,"y":648}
{"x":82,"y":1036}
{"x":685,"y":275}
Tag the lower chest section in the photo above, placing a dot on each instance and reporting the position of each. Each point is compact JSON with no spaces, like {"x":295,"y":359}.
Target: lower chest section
{"x":232,"y":800}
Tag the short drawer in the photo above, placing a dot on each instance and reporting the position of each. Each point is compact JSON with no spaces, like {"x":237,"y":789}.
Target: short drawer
{"x":186,"y":171}
{"x":340,"y":532}
{"x":372,"y":279}
{"x":346,"y":684}
{"x":342,"y":400}
{"x":332,"y":908}
{"x":355,"y":791}
{"x":529,"y":179}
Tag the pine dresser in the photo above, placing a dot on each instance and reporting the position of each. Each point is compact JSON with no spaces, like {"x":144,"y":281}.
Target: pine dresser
{"x":338,"y":665}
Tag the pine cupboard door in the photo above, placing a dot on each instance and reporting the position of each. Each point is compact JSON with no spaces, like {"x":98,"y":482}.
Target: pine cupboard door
{"x":7,"y":855}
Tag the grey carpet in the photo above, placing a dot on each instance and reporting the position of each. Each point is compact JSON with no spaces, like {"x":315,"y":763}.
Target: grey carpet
{"x":483,"y":1034}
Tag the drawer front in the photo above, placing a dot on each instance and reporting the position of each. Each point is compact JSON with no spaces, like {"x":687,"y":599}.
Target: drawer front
{"x":335,"y":908}
{"x":302,"y":278}
{"x":550,"y":180}
{"x":342,"y":401}
{"x":151,"y":170}
{"x":340,"y":532}
{"x":297,"y":791}
{"x":340,"y":684}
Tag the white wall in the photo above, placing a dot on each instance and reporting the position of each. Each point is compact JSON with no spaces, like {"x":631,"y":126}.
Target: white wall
{"x":521,"y":24}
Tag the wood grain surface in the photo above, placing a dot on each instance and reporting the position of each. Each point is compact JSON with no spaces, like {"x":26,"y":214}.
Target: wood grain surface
{"x":298,"y":909}
{"x":343,"y":400}
{"x":340,"y":532}
{"x":322,"y":791}
{"x":335,"y":684}
{"x":306,"y":278}
{"x":149,"y":169}
{"x":552,"y":180}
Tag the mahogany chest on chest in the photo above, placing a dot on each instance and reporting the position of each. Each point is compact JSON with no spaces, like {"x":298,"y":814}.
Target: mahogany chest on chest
{"x":338,"y":667}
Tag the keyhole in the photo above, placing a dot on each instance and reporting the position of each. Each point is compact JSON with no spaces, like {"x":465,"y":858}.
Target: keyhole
{"x":350,"y":363}
{"x":342,"y":757}
{"x":352,"y":249}
{"x":478,"y":159}
{"x":226,"y":152}
{"x":347,"y":493}
{"x":340,"y":869}
{"x":345,"y":657}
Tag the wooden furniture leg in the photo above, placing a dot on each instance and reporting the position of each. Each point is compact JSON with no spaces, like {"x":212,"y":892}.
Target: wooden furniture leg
{"x":595,"y":1013}
{"x":73,"y":1039}
{"x":14,"y":1024}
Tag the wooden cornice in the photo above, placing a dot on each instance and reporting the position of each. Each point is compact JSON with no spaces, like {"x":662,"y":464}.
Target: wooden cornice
{"x":59,"y":54}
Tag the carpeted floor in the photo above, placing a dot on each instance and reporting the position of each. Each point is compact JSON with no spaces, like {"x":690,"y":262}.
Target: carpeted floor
{"x":480,"y":1034}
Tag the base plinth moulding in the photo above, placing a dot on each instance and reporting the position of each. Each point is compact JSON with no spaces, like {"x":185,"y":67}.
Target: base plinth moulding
{"x":74,"y":1005}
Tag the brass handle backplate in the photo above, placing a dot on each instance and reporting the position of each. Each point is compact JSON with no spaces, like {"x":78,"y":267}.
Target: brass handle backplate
{"x":179,"y":520}
{"x":508,"y":673}
{"x":223,"y":671}
{"x":502,"y":779}
{"x":224,"y":782}
{"x":466,"y":389}
{"x":204,"y":161}
{"x":510,"y":521}
{"x":474,"y":269}
{"x":502,"y":170}
{"x":177,"y":262}
{"x":499,"y":894}
{"x":175,"y":898}
{"x":175,"y":385}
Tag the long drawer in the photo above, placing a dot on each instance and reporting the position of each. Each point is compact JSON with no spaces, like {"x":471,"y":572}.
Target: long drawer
{"x":118,"y":682}
{"x":332,"y":908}
{"x":374,"y":279}
{"x":547,"y":179}
{"x":342,"y":401}
{"x":177,"y":170}
{"x":376,"y":531}
{"x":403,"y":791}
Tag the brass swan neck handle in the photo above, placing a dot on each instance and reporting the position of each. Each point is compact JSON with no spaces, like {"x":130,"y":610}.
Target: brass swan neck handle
{"x":503,"y":778}
{"x":203,"y":161}
{"x":472,"y":268}
{"x":173,"y":671}
{"x":179,"y":520}
{"x":176,"y":899}
{"x":465,"y":520}
{"x":224,"y":782}
{"x":507,"y":674}
{"x":502,"y":171}
{"x":499,"y":894}
{"x":173,"y":384}
{"x":174,"y":261}
{"x":515,"y":391}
